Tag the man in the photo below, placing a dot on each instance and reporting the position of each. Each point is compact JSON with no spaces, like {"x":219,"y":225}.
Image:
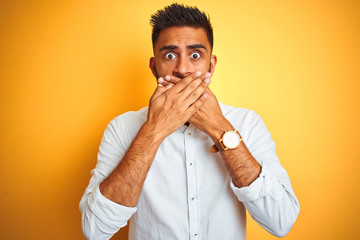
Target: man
{"x":187,"y":166}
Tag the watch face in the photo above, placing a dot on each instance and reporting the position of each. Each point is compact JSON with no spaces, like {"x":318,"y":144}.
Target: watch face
{"x":231,"y":139}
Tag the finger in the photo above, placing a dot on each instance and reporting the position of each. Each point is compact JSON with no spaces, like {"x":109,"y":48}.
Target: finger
{"x":196,"y":105}
{"x":172,"y":79}
{"x":175,"y":80}
{"x":163,"y":82}
{"x":196,"y":93}
{"x":160,"y":89}
{"x":194,"y":84}
{"x":185,"y":82}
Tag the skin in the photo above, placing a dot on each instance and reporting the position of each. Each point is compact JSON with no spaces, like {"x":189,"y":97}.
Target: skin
{"x":184,"y":64}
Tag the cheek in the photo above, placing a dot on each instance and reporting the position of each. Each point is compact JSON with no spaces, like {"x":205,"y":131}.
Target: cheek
{"x":203,"y":66}
{"x":165,"y":67}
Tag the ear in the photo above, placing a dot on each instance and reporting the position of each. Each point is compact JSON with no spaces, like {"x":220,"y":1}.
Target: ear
{"x":152,"y":66}
{"x":213,"y":61}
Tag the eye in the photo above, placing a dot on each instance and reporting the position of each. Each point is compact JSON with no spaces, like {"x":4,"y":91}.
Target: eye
{"x":195,"y":55}
{"x":169,"y":56}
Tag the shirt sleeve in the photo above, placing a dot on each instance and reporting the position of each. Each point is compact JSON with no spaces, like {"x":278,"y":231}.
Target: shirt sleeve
{"x":101,"y":217}
{"x":270,"y":199}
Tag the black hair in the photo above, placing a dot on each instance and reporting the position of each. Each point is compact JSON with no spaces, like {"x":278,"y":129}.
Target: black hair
{"x":178,"y":15}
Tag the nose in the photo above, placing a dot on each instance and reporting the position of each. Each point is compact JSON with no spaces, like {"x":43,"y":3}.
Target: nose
{"x":182,"y":68}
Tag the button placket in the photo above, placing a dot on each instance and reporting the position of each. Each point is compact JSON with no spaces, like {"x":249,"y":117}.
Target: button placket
{"x":191,"y":186}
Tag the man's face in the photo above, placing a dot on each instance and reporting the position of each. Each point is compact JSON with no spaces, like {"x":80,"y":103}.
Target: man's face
{"x":181,"y":51}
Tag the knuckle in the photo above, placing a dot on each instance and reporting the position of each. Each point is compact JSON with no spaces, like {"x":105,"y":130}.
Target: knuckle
{"x":168,"y":97}
{"x":176,"y":104}
{"x":202,"y":100}
{"x":188,"y":79}
{"x":194,"y":94}
{"x":193,"y":84}
{"x":197,"y":105}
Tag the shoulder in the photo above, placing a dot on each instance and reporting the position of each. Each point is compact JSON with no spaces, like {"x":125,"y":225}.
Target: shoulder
{"x":239,"y":116}
{"x":126,"y":126}
{"x":131,"y":118}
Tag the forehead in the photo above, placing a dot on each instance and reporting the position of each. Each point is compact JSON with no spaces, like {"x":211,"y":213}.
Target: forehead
{"x":182,"y":37}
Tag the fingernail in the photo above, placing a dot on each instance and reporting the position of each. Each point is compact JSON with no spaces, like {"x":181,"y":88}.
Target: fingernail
{"x":205,"y":95}
{"x":207,"y":75}
{"x":207,"y":80}
{"x":161,"y":80}
{"x":160,"y":85}
{"x":168,"y":77}
{"x":197,"y":74}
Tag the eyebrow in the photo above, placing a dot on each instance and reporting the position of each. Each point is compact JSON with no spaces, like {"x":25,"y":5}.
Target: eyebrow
{"x":173,"y":47}
{"x":194,"y":46}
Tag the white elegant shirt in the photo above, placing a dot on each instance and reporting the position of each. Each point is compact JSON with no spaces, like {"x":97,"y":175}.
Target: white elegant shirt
{"x":188,"y":193}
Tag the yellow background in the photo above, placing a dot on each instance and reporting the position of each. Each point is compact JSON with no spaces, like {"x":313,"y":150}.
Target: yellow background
{"x":68,"y":67}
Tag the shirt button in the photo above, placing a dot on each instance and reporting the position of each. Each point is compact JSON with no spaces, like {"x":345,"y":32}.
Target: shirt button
{"x":191,"y":164}
{"x":190,"y":133}
{"x":195,"y":234}
{"x":192,"y":199}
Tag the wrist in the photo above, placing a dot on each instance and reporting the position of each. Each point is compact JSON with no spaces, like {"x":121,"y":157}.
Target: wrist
{"x":152,"y":132}
{"x":218,"y":130}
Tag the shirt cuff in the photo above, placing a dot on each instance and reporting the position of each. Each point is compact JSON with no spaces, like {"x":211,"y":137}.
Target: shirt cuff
{"x":252,"y":192}
{"x":109,"y":212}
